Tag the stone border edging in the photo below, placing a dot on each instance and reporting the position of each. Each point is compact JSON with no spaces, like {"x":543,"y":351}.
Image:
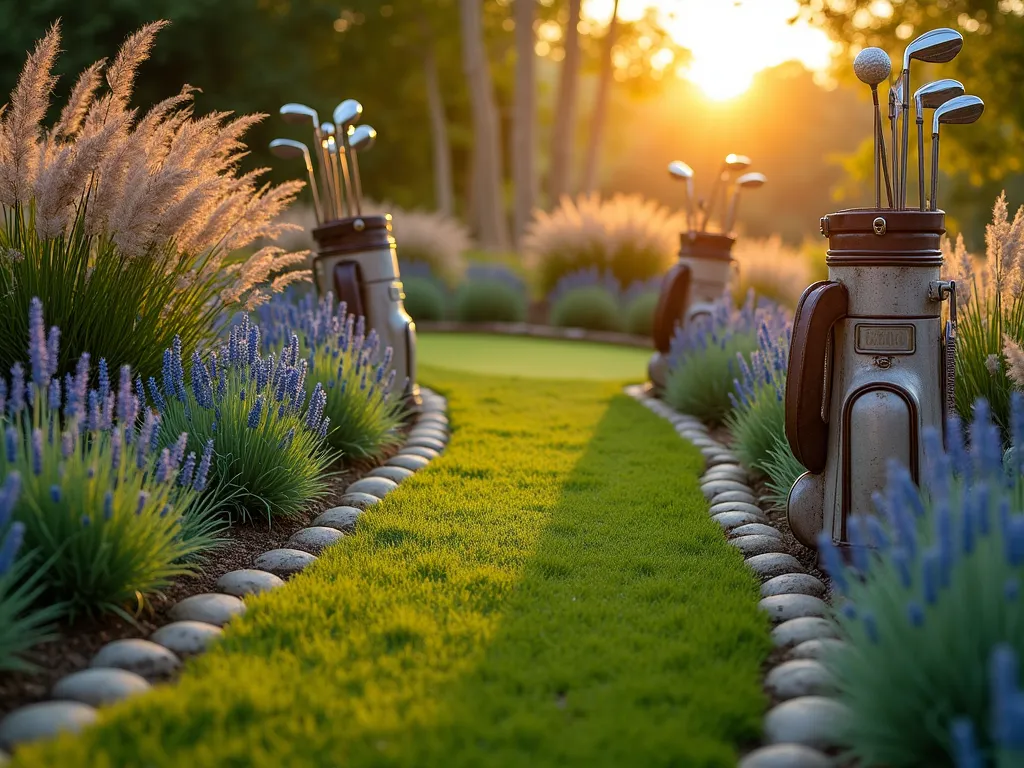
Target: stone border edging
{"x":797,"y":729}
{"x":127,"y":667}
{"x":536,"y":331}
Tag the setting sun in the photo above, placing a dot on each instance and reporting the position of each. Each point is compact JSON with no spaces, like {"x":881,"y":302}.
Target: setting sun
{"x":731,"y":40}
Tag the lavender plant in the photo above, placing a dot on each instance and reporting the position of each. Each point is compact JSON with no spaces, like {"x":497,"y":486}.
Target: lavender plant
{"x":22,"y":625}
{"x":933,"y":604}
{"x":115,"y":518}
{"x":270,"y":456}
{"x":365,"y":411}
{"x":491,"y":294}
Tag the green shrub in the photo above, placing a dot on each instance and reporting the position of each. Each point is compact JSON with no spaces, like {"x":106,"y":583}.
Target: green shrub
{"x":270,"y":453}
{"x":490,"y":295}
{"x":424,"y":298}
{"x":125,"y":254}
{"x":115,"y":517}
{"x":927,"y":610}
{"x":640,"y":314}
{"x":592,"y":307}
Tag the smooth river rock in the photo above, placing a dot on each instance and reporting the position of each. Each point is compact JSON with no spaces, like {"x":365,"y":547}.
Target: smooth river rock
{"x":809,"y":720}
{"x":284,"y":562}
{"x":209,"y":608}
{"x":724,"y":473}
{"x":756,"y":529}
{"x":342,"y":518}
{"x":418,"y":450}
{"x":394,"y":474}
{"x":801,"y":677}
{"x":143,"y":657}
{"x":429,"y":432}
{"x":816,"y":648}
{"x":44,"y":720}
{"x":715,"y":487}
{"x":786,"y":756}
{"x":730,"y":520}
{"x":738,"y":506}
{"x":97,"y":687}
{"x":359,"y":500}
{"x":407,"y":461}
{"x":424,"y":441}
{"x":315,"y":539}
{"x":793,"y":584}
{"x":758,"y":545}
{"x":375,"y":486}
{"x":796,"y":631}
{"x":186,"y":638}
{"x":785,"y":607}
{"x":248,"y":581}
{"x":721,"y":459}
{"x":774,"y":564}
{"x":746,"y":497}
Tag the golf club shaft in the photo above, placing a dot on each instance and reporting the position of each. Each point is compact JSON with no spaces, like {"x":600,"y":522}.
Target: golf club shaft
{"x":730,"y":219}
{"x":320,"y":157}
{"x":346,"y":176}
{"x":711,"y":202}
{"x":357,"y":186}
{"x":880,"y":139}
{"x":920,"y":160}
{"x":905,"y":140}
{"x":689,"y":204}
{"x":874,"y":130}
{"x":332,"y":196}
{"x":337,"y":182}
{"x":893,"y":111}
{"x":316,"y":195}
{"x":935,"y":170}
{"x":352,"y":175}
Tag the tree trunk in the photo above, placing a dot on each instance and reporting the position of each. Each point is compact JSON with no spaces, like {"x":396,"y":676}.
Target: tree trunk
{"x":524,"y":117}
{"x":443,"y":191}
{"x":600,"y":106}
{"x":493,"y":227}
{"x":565,"y":108}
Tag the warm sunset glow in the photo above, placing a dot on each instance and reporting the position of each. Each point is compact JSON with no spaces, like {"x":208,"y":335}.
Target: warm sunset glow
{"x":731,"y":40}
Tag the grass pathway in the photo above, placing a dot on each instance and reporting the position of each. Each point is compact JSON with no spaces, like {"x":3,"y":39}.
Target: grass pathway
{"x":550,"y":591}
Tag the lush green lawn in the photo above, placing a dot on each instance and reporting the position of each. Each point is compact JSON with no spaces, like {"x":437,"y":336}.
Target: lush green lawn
{"x":551,"y":591}
{"x":534,"y":358}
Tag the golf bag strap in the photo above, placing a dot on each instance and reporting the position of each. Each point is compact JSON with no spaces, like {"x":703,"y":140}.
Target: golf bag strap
{"x":347,"y":287}
{"x":820,"y":306}
{"x":672,"y":304}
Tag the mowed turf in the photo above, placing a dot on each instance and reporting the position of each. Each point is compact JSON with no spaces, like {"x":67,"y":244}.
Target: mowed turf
{"x":549,"y":592}
{"x":494,"y":355}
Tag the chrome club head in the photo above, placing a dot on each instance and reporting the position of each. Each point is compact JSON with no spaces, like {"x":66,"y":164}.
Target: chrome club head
{"x":287,"y":149}
{"x":362,"y":138}
{"x":299,"y":114}
{"x":930,"y":96}
{"x":679,"y":170}
{"x":872,"y":66}
{"x":752,"y":180}
{"x":733,"y":164}
{"x":348,"y":113}
{"x":960,"y":110}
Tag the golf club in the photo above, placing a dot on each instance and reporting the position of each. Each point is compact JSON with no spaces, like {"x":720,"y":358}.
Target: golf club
{"x":960,"y":110}
{"x":746,"y":181}
{"x":290,"y":150}
{"x":872,"y":66}
{"x":680,"y":170}
{"x":733,"y":163}
{"x":930,"y":96}
{"x":360,"y":139}
{"x":342,"y":201}
{"x":895,"y":104}
{"x":937,"y":46}
{"x":300,"y":114}
{"x":346,"y":114}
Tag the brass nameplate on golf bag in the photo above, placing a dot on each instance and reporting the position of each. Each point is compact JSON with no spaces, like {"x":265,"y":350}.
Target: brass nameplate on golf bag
{"x":884,"y":339}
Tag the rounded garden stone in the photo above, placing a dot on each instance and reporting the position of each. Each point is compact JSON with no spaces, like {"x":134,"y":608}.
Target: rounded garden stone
{"x":724,"y":472}
{"x":429,"y":434}
{"x":416,"y":450}
{"x":739,"y":506}
{"x":186,"y":638}
{"x":816,"y":648}
{"x":394,"y":474}
{"x":284,"y":562}
{"x":407,"y":461}
{"x":342,"y":518}
{"x":424,"y":442}
{"x":801,"y":677}
{"x":44,"y":720}
{"x":756,"y":529}
{"x":785,"y":756}
{"x":209,"y":608}
{"x":785,"y":607}
{"x":758,"y":545}
{"x":721,"y":460}
{"x":97,"y":687}
{"x":315,"y":539}
{"x":433,"y":418}
{"x":793,"y":584}
{"x":773,"y":564}
{"x":730,"y":520}
{"x":143,"y":657}
{"x":375,"y":486}
{"x":712,"y":448}
{"x":746,"y":497}
{"x":359,"y":500}
{"x":809,"y":720}
{"x":715,"y":487}
{"x":796,"y":631}
{"x":248,"y":581}
{"x":700,"y":440}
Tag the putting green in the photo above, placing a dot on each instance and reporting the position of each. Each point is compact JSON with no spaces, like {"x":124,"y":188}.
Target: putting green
{"x":532,"y":358}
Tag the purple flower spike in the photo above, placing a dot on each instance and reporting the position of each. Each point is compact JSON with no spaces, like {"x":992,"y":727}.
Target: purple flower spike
{"x":9,"y":546}
{"x":199,"y":484}
{"x":37,"y":452}
{"x":16,"y":401}
{"x":38,"y":353}
{"x":965,"y":748}
{"x":255,"y":413}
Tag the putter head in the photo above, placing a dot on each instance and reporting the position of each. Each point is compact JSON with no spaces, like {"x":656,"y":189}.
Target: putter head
{"x":872,"y":66}
{"x":935,"y":94}
{"x":960,"y":110}
{"x":327,"y":129}
{"x":288,"y":149}
{"x":751,"y":180}
{"x":361,"y":137}
{"x":348,"y":112}
{"x":736,"y":163}
{"x":298,"y":114}
{"x":680,"y":170}
{"x":936,"y":46}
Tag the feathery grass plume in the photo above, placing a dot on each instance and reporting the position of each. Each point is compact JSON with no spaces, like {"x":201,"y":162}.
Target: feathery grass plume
{"x":107,"y":517}
{"x":931,"y":605}
{"x":771,"y":269}
{"x":268,"y":439}
{"x":347,"y":361}
{"x":150,"y":209}
{"x":635,"y":239}
{"x":990,"y":327}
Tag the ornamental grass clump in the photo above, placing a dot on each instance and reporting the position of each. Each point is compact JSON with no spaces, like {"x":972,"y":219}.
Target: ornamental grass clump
{"x":129,"y":226}
{"x":366,"y":412}
{"x":491,"y":294}
{"x":268,"y":436}
{"x":113,"y":516}
{"x":936,"y":602}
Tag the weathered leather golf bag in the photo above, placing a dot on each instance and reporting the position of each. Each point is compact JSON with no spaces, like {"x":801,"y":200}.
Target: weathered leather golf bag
{"x":870,"y":364}
{"x":356,"y":259}
{"x":699,"y":278}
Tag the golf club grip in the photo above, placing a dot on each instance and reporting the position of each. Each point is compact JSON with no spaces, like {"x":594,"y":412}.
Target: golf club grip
{"x":347,"y":287}
{"x":672,"y":304}
{"x":821,"y":305}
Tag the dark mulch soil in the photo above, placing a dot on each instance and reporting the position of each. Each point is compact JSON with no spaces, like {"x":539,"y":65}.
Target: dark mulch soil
{"x":78,"y":641}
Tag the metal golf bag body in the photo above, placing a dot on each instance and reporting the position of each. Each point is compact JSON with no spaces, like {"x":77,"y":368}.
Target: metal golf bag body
{"x":699,"y":278}
{"x":870,"y":365}
{"x":356,"y":258}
